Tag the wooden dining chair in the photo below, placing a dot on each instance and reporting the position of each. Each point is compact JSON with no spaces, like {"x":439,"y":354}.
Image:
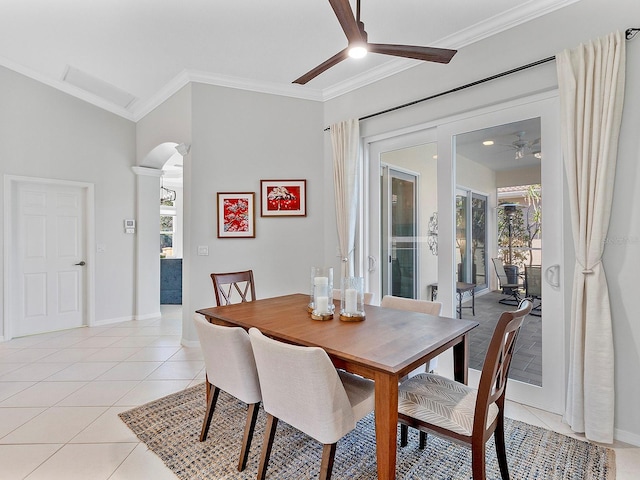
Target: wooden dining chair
{"x":444,"y":407}
{"x":230,"y":366}
{"x":301,"y":387}
{"x":231,"y":287}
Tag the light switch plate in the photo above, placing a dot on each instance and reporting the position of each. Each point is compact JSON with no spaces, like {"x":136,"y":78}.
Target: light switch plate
{"x":203,"y":250}
{"x":101,"y":248}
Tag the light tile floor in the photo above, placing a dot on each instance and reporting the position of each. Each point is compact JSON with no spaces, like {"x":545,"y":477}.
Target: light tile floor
{"x":61,"y":392}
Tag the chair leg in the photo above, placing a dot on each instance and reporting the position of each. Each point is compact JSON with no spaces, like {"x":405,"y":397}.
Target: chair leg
{"x":404,"y":434}
{"x":423,"y":440}
{"x":501,"y":451}
{"x":478,"y":461}
{"x":208,"y":415}
{"x":328,"y":455}
{"x":250,"y":425}
{"x":269,"y":434}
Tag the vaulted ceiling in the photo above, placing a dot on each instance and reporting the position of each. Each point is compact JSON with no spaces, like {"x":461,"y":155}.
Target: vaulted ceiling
{"x":127,"y":56}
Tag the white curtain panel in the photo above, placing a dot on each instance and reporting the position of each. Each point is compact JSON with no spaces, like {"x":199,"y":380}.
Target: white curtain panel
{"x":345,"y":139}
{"x":591,"y":81}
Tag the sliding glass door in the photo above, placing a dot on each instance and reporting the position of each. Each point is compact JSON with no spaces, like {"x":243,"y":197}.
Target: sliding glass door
{"x":471,"y":238}
{"x":399,"y":238}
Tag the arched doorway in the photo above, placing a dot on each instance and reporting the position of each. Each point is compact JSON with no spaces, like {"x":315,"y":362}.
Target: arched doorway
{"x":148,"y":184}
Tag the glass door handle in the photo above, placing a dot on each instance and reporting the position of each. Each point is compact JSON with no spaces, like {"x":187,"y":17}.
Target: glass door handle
{"x":552,"y":275}
{"x":372,"y":263}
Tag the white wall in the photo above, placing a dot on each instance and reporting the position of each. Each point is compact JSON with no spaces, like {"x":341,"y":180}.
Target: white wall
{"x":157,"y":133}
{"x":45,"y":133}
{"x":240,"y":138}
{"x":535,"y":40}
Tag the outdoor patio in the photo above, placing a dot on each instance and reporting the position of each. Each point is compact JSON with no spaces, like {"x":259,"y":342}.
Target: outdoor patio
{"x":526,"y":365}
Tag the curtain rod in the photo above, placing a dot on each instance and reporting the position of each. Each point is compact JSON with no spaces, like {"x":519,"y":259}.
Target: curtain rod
{"x":629,"y":34}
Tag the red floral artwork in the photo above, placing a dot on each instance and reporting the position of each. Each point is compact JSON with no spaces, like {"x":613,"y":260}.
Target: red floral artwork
{"x":236,"y":215}
{"x":283,"y":198}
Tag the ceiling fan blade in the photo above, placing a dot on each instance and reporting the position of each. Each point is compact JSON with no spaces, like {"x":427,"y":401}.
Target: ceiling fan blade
{"x":326,"y":65}
{"x":343,"y":11}
{"x":428,"y":54}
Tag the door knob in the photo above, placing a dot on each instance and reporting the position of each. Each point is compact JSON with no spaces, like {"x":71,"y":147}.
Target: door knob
{"x":82,"y":263}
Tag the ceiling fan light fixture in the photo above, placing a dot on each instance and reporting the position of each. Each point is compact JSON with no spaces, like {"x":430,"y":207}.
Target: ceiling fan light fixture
{"x":358,"y":50}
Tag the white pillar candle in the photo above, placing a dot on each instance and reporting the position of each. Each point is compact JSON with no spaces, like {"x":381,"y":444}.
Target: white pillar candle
{"x":322,"y":286}
{"x":322,"y":304}
{"x":350,"y":300}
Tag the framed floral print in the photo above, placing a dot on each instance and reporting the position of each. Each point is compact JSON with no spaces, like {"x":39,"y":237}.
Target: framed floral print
{"x":283,"y":198}
{"x":236,"y":217}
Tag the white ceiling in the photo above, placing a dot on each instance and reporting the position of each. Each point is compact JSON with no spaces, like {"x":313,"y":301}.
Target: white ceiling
{"x":500,"y":156}
{"x":151,"y":48}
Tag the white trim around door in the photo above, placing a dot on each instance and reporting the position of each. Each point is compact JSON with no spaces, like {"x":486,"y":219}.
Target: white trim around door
{"x":11,"y":185}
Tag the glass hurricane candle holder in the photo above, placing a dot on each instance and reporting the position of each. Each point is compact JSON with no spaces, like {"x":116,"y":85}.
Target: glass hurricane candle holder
{"x":352,"y":299}
{"x":321,"y":306}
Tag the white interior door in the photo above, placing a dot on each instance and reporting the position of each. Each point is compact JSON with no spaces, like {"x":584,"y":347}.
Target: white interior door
{"x":49,"y":258}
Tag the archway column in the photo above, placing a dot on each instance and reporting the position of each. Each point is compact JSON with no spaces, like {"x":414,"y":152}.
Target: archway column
{"x":147,"y":235}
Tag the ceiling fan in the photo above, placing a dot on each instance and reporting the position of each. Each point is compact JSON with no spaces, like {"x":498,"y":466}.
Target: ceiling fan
{"x":524,"y":147}
{"x":359,"y":46}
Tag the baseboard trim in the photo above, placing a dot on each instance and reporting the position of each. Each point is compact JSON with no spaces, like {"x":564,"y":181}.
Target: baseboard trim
{"x":627,"y":437}
{"x":148,"y":316}
{"x":189,"y":343}
{"x":110,"y":321}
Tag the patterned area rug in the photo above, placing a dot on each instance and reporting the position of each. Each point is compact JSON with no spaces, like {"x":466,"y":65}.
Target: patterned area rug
{"x":170,"y":427}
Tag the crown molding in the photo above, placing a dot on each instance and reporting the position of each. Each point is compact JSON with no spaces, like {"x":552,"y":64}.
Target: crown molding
{"x":503,"y":21}
{"x":499,"y":23}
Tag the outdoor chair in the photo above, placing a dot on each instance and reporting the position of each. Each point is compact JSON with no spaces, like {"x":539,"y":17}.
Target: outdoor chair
{"x":230,"y":366}
{"x":226,"y":285}
{"x":508,"y":288}
{"x":533,"y":287}
{"x":444,"y":407}
{"x":301,"y":387}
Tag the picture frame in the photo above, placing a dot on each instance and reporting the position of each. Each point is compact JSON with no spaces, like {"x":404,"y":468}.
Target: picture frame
{"x":283,"y":198}
{"x":236,"y":217}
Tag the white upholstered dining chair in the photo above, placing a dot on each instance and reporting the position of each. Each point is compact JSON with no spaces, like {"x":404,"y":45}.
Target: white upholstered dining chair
{"x":367,"y":296}
{"x":301,"y":387}
{"x":413,"y":305}
{"x":410,"y":304}
{"x":420,"y":306}
{"x":438,"y":405}
{"x":230,"y":366}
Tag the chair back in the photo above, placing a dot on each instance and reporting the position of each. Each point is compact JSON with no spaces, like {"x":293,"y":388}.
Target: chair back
{"x":495,"y":371}
{"x":301,"y":387}
{"x":421,"y":306}
{"x":231,"y":287}
{"x":500,"y":272}
{"x":533,"y":280}
{"x":228,"y":359}
{"x":367,"y":296}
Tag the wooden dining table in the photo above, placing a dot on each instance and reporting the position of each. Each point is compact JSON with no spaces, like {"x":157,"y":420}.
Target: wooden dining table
{"x":385,"y":346}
